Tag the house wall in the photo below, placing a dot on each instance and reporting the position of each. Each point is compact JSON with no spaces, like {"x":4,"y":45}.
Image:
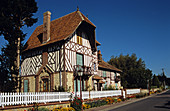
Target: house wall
{"x":70,"y":82}
{"x":72,"y":48}
{"x":56,"y":80}
{"x":31,"y":83}
{"x":31,"y":63}
{"x":54,"y":57}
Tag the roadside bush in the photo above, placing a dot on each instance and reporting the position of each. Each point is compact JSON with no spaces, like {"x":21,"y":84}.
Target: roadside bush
{"x":158,"y":91}
{"x":38,"y":109}
{"x":141,"y":95}
{"x":43,"y":109}
{"x":95,"y":103}
{"x":77,"y":104}
{"x":63,"y":109}
{"x":131,"y":96}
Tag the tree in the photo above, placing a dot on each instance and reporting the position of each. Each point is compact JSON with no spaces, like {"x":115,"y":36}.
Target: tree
{"x":162,"y":78}
{"x":14,"y":14}
{"x":134,"y":73}
{"x":155,"y":81}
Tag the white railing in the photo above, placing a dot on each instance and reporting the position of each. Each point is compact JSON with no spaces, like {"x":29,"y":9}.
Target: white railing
{"x":99,"y":94}
{"x":44,"y":97}
{"x":32,"y":97}
{"x":132,"y":91}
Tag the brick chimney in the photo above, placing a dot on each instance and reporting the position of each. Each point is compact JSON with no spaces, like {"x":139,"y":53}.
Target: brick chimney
{"x":99,"y":56}
{"x":46,"y":26}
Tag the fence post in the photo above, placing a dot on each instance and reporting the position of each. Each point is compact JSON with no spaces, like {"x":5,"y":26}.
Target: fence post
{"x":125,"y":92}
{"x":59,"y":97}
{"x":45,"y":97}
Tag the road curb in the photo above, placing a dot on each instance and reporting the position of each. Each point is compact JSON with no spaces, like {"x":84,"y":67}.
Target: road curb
{"x":117,"y":105}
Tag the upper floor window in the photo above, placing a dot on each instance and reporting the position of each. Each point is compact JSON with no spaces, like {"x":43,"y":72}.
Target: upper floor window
{"x":94,"y":66}
{"x":79,"y":37}
{"x":104,"y":73}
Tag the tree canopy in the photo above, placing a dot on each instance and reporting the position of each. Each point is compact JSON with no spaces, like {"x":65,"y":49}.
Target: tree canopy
{"x":14,"y":14}
{"x":155,"y":81}
{"x":135,"y":74}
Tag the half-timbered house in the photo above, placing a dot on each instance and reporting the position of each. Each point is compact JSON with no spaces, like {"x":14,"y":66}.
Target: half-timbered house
{"x":58,"y":51}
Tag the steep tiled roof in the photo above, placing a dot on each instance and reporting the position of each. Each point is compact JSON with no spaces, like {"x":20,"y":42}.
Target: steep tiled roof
{"x":105,"y":65}
{"x":60,"y":29}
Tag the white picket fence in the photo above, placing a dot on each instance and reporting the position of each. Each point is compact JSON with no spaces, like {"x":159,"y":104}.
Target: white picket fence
{"x":44,"y":97}
{"x":132,"y":91}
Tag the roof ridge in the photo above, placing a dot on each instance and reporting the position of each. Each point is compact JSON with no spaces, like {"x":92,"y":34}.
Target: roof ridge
{"x":80,"y":15}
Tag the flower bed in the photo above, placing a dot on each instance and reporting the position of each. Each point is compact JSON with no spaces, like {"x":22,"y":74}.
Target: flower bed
{"x":98,"y":103}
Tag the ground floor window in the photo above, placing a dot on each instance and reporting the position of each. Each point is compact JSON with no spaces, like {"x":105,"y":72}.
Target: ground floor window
{"x":26,"y":85}
{"x":77,"y":85}
{"x":45,"y":85}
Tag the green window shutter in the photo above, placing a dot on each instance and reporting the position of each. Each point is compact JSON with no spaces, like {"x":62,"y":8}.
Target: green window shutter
{"x":79,"y":59}
{"x":78,"y":85}
{"x":104,"y":73}
{"x":84,"y":85}
{"x":25,"y":85}
{"x":74,"y":85}
{"x":116,"y":85}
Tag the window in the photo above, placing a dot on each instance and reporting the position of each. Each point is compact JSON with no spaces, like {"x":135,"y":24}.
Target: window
{"x":26,"y":85}
{"x":79,"y":58}
{"x":94,"y":66}
{"x":45,"y":85}
{"x":104,"y":73}
{"x":79,"y":37}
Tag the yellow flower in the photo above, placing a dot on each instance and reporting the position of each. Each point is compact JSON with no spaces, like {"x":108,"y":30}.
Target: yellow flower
{"x":119,"y":100}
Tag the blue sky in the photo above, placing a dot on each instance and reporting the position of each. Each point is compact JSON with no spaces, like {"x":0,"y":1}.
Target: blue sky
{"x":123,"y":26}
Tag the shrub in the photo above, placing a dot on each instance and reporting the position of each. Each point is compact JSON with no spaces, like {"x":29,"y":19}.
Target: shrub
{"x":96,"y":103}
{"x":71,"y":109}
{"x":141,"y":95}
{"x":63,"y":109}
{"x":158,"y":91}
{"x":43,"y":109}
{"x":38,"y":109}
{"x":77,"y":104}
{"x":110,"y":100}
{"x":131,"y":96}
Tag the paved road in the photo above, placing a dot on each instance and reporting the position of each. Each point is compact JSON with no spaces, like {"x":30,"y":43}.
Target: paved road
{"x":160,"y":102}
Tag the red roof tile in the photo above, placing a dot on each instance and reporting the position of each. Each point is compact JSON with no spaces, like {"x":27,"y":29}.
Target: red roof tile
{"x":106,"y":65}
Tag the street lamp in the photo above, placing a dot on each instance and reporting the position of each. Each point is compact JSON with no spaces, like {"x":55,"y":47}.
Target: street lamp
{"x":80,"y":74}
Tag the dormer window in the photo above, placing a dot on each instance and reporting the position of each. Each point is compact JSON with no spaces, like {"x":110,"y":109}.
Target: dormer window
{"x":79,"y":37}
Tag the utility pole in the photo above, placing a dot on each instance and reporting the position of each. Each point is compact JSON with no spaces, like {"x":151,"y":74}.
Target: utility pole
{"x":163,"y":77}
